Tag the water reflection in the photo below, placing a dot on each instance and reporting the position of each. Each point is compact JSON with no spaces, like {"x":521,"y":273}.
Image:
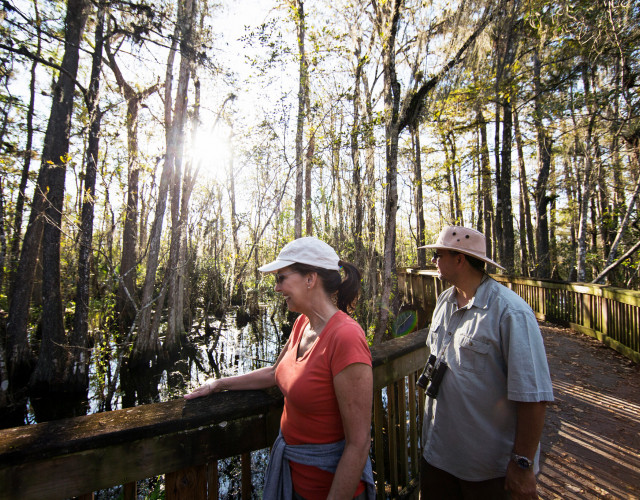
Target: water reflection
{"x":227,"y":346}
{"x":234,"y":344}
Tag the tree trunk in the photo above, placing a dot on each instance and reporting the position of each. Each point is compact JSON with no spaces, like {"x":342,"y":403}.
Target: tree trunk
{"x":387,"y":19}
{"x":49,"y":372}
{"x":77,"y":375}
{"x":3,"y":243}
{"x":303,"y":96}
{"x":3,"y":235}
{"x":175,"y":326}
{"x":606,"y":218}
{"x":28,"y":153}
{"x":355,"y":156}
{"x":526,"y":227}
{"x":147,"y":344}
{"x":572,"y":202}
{"x":524,"y":255}
{"x":588,"y":180}
{"x":497,"y":219}
{"x":456,"y":205}
{"x":477,"y":219}
{"x":593,"y":231}
{"x":544,"y":161}
{"x":234,"y":222}
{"x":553,"y":245}
{"x":448,"y":160}
{"x":336,"y":184}
{"x":388,"y":22}
{"x":371,"y":281}
{"x":417,"y":186}
{"x":487,"y":199}
{"x":307,"y":186}
{"x":508,"y":240}
{"x":126,"y":293}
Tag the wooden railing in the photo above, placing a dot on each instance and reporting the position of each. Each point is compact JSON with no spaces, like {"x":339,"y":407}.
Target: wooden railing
{"x":612,"y":315}
{"x":184,"y":440}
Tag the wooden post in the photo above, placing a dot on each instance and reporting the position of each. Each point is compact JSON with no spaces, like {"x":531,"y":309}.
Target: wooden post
{"x":413,"y":426}
{"x":187,"y":483}
{"x":246,"y":476}
{"x":605,"y":315}
{"x":586,"y":311}
{"x":402,"y":283}
{"x":130,"y":491}
{"x":392,"y":412}
{"x":378,"y":443}
{"x":403,"y":449}
{"x":213,"y":481}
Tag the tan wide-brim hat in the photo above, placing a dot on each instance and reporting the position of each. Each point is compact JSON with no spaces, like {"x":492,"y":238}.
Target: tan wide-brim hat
{"x":464,"y":240}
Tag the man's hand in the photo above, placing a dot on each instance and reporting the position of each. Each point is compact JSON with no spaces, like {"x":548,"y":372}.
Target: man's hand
{"x":520,"y":483}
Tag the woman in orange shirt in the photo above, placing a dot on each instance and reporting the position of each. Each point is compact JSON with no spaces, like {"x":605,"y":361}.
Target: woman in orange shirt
{"x":324,"y":372}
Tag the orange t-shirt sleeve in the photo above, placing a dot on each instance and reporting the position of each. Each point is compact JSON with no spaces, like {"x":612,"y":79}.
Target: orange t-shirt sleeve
{"x":350,"y":347}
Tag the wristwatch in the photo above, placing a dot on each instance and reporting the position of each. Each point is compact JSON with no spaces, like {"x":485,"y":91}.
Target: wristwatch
{"x":522,"y":462}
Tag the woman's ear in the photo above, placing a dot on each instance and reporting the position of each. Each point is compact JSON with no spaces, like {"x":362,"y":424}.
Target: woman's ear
{"x":311,"y":279}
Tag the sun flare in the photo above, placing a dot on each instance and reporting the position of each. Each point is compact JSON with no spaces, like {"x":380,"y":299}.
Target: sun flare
{"x":211,"y":152}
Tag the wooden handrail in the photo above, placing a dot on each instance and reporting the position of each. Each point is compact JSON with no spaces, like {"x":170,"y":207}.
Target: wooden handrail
{"x":182,"y":439}
{"x":609,"y":314}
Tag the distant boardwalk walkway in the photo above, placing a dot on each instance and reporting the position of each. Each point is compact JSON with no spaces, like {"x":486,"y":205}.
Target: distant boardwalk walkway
{"x":591,"y":441}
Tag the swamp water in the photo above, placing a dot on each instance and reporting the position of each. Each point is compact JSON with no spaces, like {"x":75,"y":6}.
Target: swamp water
{"x":227,"y":346}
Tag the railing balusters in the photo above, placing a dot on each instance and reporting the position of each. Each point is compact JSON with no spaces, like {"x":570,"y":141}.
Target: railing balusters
{"x":213,"y":488}
{"x":378,"y":442}
{"x":246,"y":476}
{"x":186,"y":483}
{"x":189,"y":437}
{"x":130,"y":491}
{"x":413,"y":426}
{"x":403,"y":446}
{"x":609,"y":314}
{"x":392,"y":414}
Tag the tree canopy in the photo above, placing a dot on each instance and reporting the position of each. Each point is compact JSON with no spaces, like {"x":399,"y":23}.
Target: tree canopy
{"x":154,"y":154}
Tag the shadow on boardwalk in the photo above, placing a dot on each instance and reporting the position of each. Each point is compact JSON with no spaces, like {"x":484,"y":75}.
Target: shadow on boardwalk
{"x":591,"y":441}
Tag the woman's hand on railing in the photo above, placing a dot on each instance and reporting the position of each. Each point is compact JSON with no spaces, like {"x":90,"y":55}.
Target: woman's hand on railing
{"x":204,"y":390}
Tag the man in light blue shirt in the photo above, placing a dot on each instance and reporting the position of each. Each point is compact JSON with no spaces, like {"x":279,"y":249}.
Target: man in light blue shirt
{"x":484,"y":418}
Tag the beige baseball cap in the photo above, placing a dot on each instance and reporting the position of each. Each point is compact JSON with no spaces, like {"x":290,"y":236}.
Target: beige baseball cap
{"x":308,"y":250}
{"x":464,"y":240}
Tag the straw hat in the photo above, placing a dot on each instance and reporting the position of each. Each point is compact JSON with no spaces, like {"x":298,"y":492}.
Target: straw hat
{"x":464,"y":240}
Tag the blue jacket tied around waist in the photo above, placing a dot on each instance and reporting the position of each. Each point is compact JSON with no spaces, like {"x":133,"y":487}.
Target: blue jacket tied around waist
{"x":277,"y":484}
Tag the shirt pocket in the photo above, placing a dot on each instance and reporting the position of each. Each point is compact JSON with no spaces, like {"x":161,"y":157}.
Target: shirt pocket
{"x":435,"y":338}
{"x":473,"y":354}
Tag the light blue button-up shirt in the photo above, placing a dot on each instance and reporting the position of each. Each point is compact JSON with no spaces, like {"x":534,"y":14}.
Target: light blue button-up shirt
{"x":496,"y":358}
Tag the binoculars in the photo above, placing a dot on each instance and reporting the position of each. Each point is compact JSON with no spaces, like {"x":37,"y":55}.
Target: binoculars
{"x":432,"y":376}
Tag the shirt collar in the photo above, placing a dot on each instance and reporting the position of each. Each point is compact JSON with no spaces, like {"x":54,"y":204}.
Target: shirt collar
{"x":480,"y":299}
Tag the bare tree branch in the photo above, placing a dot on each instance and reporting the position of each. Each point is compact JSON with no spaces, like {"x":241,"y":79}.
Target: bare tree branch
{"x":607,"y":270}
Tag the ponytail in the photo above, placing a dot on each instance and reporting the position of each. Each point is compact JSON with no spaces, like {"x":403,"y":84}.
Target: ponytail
{"x":349,"y":289}
{"x":345,"y":291}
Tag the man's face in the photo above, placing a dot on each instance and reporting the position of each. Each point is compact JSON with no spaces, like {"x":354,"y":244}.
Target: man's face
{"x":444,"y":261}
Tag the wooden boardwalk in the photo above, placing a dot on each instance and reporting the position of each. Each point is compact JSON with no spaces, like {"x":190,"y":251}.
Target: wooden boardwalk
{"x":591,"y":441}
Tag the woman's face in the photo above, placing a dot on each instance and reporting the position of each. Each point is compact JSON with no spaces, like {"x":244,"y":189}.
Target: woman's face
{"x":292,"y":286}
